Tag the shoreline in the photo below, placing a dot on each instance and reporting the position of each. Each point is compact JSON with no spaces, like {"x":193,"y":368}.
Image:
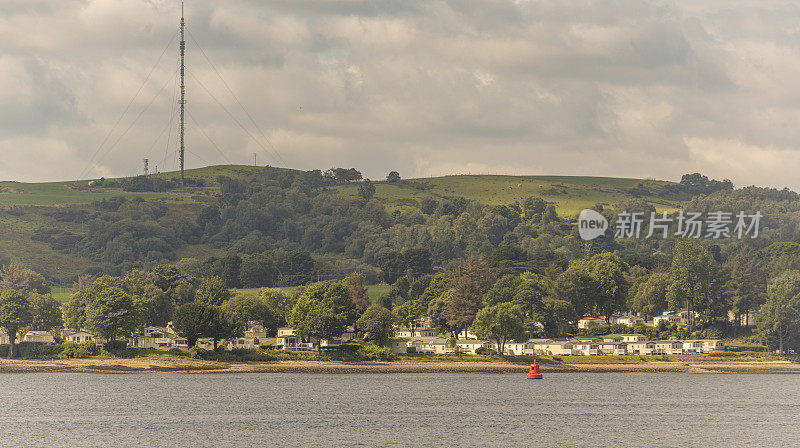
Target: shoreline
{"x":180,"y":365}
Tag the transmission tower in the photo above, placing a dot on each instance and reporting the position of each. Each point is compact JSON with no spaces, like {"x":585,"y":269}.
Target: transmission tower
{"x":182,"y":101}
{"x":146,"y":166}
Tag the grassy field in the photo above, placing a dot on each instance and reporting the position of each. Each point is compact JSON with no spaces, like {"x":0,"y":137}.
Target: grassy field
{"x":61,"y":294}
{"x":569,"y":194}
{"x":66,"y":193}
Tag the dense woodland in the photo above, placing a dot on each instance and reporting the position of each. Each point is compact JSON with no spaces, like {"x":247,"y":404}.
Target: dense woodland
{"x":460,"y":263}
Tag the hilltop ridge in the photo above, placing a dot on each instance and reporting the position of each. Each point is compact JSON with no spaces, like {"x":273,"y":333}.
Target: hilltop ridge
{"x":569,"y":194}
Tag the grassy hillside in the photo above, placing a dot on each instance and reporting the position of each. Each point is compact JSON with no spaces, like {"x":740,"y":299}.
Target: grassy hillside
{"x":63,"y":193}
{"x":78,"y":192}
{"x":570,"y":194}
{"x":28,"y":207}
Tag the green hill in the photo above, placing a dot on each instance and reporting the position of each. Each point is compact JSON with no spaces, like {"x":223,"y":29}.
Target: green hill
{"x":569,"y":194}
{"x":40,"y":223}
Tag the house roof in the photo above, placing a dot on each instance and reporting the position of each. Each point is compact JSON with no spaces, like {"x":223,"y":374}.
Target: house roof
{"x":38,"y":333}
{"x":81,"y":332}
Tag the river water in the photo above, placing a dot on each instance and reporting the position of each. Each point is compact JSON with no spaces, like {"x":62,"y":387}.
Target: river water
{"x":404,"y":410}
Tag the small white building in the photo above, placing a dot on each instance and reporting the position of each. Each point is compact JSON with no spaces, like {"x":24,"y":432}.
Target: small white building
{"x":612,"y":348}
{"x":398,"y":345}
{"x":253,"y":337}
{"x":288,"y":340}
{"x":624,"y":338}
{"x":79,"y":337}
{"x":586,"y":322}
{"x":469,"y":346}
{"x":692,"y":346}
{"x":713,"y":345}
{"x":681,"y":317}
{"x":431,"y":345}
{"x":152,"y":338}
{"x":548,"y":347}
{"x":514,"y":348}
{"x":641,"y":348}
{"x":38,"y":336}
{"x":348,"y":335}
{"x":586,"y":348}
{"x":668,"y":348}
{"x":627,"y":320}
{"x":157,"y":338}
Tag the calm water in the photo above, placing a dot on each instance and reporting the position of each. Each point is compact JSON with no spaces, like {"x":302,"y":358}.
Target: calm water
{"x":404,"y":410}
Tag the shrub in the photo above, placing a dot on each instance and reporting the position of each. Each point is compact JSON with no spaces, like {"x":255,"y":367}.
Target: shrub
{"x":83,"y":350}
{"x":350,"y":351}
{"x":33,"y":350}
{"x":411,"y":349}
{"x":114,"y":346}
{"x":372,"y":352}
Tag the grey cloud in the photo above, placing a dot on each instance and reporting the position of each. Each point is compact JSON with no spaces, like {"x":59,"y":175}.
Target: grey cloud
{"x":619,"y":87}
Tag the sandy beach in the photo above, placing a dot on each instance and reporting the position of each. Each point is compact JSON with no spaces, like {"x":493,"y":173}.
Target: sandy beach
{"x":143,"y":365}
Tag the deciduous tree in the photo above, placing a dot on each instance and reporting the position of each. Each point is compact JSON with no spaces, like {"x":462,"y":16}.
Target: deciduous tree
{"x":110,"y":313}
{"x":500,"y":323}
{"x":15,"y":315}
{"x":280,"y":302}
{"x":778,"y":320}
{"x":693,"y":278}
{"x":651,"y":295}
{"x":376,"y":323}
{"x":45,"y":313}
{"x":212,"y":290}
{"x":468,"y":284}
{"x":357,"y":291}
{"x":244,"y":309}
{"x":323,"y":310}
{"x":193,"y":320}
{"x":409,"y":313}
{"x":15,"y":277}
{"x":366,"y":190}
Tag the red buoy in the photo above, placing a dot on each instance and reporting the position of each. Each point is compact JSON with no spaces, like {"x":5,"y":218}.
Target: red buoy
{"x":534,"y":373}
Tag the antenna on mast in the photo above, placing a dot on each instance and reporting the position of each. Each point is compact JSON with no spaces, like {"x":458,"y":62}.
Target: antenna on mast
{"x":182,"y":101}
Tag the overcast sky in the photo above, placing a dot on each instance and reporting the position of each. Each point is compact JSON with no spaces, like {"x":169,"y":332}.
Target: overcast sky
{"x":427,"y":87}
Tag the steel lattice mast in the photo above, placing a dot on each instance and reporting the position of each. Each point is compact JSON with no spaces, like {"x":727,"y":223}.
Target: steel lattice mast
{"x":182,"y":101}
